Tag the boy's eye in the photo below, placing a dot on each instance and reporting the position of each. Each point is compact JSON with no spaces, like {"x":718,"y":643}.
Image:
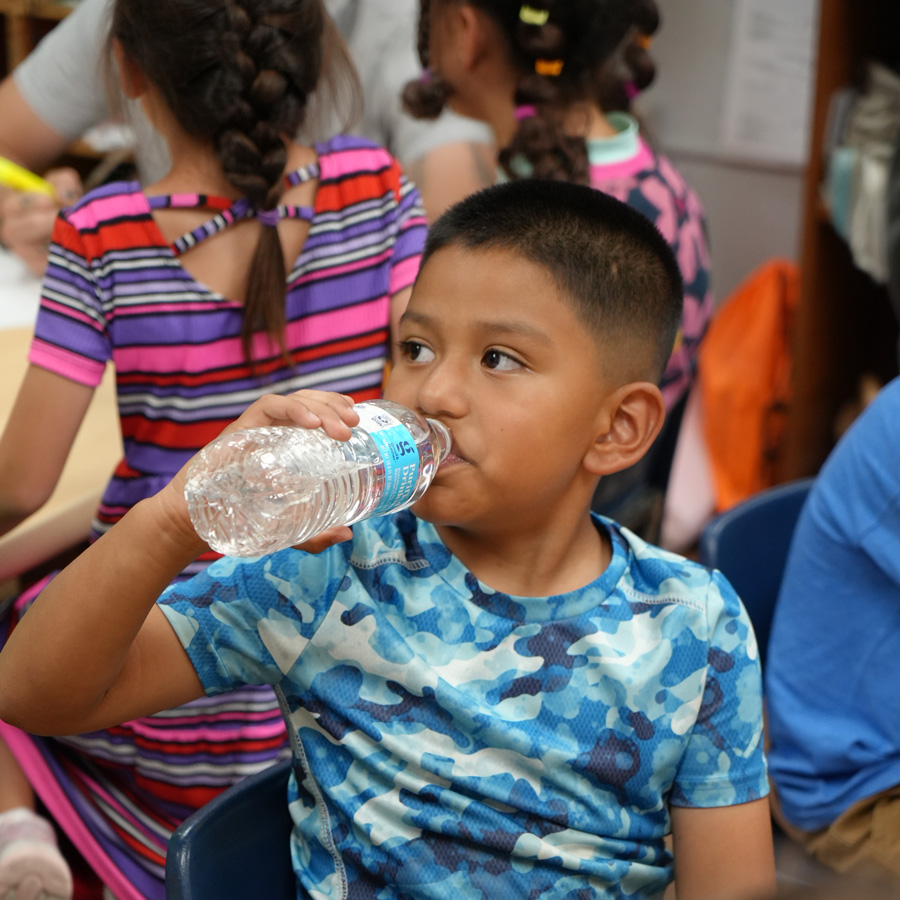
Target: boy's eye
{"x":500,"y":361}
{"x":416,"y":352}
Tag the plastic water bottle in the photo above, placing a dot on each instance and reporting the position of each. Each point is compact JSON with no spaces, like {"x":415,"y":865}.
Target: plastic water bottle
{"x":260,"y":490}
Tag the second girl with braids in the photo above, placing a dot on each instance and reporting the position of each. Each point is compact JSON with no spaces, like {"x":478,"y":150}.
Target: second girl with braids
{"x":257,"y":264}
{"x":551,"y":78}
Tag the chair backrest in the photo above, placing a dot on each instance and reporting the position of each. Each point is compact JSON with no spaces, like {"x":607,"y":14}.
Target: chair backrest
{"x":237,"y":846}
{"x":749,"y":543}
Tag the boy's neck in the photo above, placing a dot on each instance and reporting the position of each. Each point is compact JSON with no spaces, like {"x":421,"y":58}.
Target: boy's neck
{"x":541,"y":563}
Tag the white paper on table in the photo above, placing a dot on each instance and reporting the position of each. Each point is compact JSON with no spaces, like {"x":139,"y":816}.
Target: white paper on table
{"x":20,"y":293}
{"x":769,"y":81}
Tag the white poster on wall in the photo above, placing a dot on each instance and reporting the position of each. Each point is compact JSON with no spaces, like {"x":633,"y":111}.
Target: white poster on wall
{"x":769,"y":82}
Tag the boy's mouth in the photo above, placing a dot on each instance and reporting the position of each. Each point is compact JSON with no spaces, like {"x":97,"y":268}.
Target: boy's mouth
{"x":452,"y":458}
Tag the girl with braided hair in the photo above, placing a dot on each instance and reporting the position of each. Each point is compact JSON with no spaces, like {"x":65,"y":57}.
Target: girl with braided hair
{"x":256,"y":265}
{"x":554,"y":80}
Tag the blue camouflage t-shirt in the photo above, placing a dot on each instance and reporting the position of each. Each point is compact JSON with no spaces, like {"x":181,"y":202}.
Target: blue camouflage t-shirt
{"x":455,"y":742}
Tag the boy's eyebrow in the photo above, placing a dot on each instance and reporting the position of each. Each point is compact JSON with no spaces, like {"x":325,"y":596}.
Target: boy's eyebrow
{"x":504,"y":327}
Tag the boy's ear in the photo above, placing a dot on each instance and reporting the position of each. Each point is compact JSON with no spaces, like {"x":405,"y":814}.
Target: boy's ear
{"x":630,"y":420}
{"x":132,"y":79}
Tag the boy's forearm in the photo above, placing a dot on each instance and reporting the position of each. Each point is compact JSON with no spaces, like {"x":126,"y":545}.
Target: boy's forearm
{"x":89,"y":652}
{"x":76,"y":641}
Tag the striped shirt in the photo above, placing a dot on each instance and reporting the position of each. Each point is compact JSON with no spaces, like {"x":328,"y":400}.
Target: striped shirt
{"x":116,"y":290}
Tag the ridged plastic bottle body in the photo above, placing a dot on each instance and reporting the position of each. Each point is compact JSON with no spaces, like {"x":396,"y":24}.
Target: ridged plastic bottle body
{"x":260,"y":490}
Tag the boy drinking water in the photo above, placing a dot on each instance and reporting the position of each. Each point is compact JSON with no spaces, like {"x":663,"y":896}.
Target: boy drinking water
{"x":493,"y":694}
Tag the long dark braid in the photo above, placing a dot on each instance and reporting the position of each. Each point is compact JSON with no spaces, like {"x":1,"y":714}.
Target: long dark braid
{"x":540,"y":146}
{"x":237,"y":74}
{"x":561,"y":52}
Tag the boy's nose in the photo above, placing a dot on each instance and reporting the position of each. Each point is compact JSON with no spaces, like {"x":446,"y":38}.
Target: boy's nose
{"x":443,"y":391}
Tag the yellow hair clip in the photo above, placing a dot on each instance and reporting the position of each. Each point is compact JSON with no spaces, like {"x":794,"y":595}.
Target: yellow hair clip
{"x":644,"y":41}
{"x":550,"y":67}
{"x":531,"y":16}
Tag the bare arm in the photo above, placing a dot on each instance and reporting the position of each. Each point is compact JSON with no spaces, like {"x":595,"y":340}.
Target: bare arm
{"x":40,"y":432}
{"x":723,"y":853}
{"x":93,"y":651}
{"x":25,"y":138}
{"x":451,"y":172}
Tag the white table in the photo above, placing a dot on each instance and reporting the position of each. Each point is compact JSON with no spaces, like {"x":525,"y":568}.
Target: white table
{"x":65,"y":519}
{"x":19,"y":294}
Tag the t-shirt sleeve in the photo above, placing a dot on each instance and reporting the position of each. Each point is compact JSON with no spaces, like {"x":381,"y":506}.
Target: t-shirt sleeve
{"x":247,"y":621}
{"x":71,"y":336}
{"x":865,"y":468}
{"x":412,"y":230}
{"x":413,"y":139}
{"x":62,"y":80}
{"x":724,"y":763}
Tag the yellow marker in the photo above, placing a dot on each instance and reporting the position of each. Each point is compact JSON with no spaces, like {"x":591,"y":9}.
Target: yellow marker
{"x":14,"y":176}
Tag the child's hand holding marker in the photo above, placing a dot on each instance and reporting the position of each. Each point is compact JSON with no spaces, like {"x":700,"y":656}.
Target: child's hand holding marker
{"x":28,"y":208}
{"x":15,"y":176}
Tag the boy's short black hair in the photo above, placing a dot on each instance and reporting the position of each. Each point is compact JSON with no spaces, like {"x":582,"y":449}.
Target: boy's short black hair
{"x":608,"y":260}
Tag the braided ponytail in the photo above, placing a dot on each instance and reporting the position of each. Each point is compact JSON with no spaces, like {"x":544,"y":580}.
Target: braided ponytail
{"x":238,"y":74}
{"x":253,"y":155}
{"x":540,"y":146}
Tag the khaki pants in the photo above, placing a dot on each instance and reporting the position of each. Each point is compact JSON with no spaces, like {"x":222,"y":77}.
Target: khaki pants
{"x":865,"y":839}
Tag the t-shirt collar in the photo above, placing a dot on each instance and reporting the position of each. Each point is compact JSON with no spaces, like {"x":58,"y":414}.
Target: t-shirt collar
{"x":620,"y":147}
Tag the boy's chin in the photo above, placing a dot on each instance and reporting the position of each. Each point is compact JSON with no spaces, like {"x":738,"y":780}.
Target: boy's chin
{"x":430,"y":509}
{"x":421,"y":510}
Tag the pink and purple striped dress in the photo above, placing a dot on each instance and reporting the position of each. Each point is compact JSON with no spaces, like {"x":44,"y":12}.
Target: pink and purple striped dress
{"x":115,"y":290}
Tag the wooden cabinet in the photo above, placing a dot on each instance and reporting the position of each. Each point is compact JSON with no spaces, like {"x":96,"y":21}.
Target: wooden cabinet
{"x":26,"y":22}
{"x":845,"y":326}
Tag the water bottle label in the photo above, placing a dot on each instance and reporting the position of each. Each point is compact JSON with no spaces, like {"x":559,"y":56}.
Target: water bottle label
{"x":399,"y":452}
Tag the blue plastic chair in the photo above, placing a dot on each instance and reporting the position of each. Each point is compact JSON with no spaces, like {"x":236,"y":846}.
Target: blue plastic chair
{"x":237,"y":846}
{"x":749,"y":543}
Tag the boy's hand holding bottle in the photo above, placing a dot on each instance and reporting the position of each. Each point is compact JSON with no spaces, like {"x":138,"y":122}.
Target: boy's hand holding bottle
{"x":333,"y":413}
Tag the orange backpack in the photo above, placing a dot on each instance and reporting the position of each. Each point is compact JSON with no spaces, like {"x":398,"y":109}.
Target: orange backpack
{"x":745,"y":381}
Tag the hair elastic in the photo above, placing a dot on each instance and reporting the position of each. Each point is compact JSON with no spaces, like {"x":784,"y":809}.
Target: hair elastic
{"x":525,"y":111}
{"x":631,"y":90}
{"x":531,"y":16}
{"x":269,"y":217}
{"x":551,"y":67}
{"x":426,"y":76}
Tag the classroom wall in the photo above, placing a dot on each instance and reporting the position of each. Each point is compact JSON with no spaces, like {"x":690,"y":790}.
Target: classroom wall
{"x":754,"y":209}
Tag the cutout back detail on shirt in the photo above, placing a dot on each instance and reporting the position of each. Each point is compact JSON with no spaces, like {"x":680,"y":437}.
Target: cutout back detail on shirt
{"x":230,"y":211}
